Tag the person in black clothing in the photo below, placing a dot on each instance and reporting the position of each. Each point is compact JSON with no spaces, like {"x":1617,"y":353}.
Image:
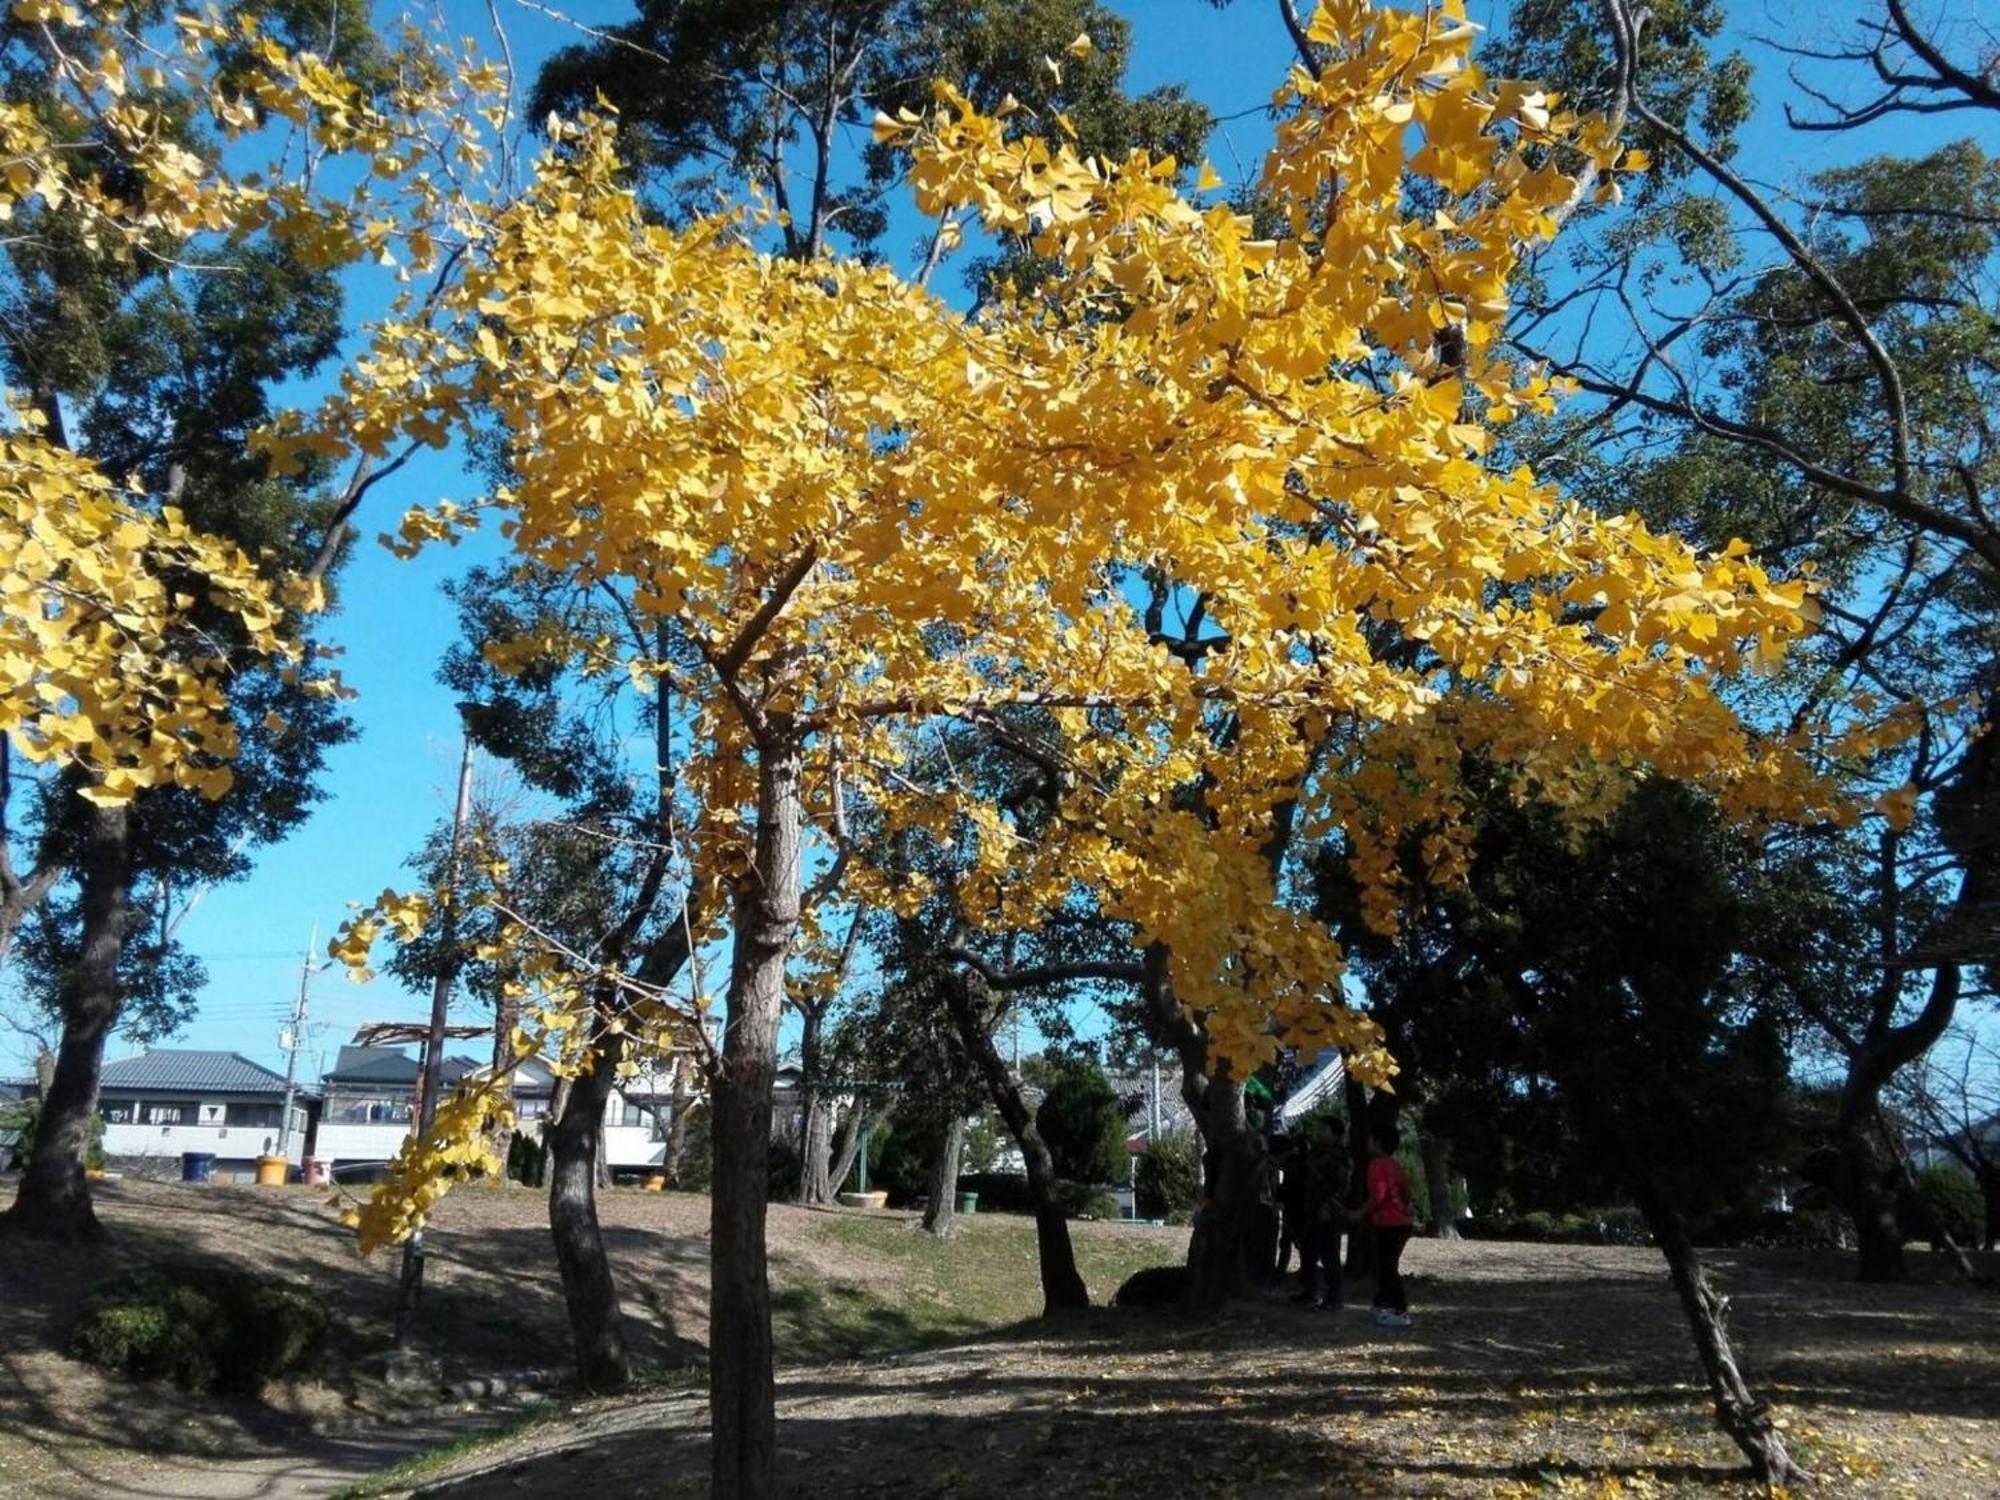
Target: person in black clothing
{"x":1323,"y":1216}
{"x":1291,"y":1158}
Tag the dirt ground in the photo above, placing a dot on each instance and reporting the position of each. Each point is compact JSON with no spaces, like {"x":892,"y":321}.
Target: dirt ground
{"x":911,"y":1369}
{"x":843,"y":1285}
{"x":1531,"y":1370}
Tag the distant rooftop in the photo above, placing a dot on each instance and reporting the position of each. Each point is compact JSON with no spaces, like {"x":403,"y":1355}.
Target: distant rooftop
{"x":171,"y":1070}
{"x":390,"y":1066}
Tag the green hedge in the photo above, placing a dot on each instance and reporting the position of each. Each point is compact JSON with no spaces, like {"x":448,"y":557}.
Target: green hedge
{"x":204,"y":1328}
{"x":1950,"y":1202}
{"x":1620,"y":1225}
{"x":1007,"y":1193}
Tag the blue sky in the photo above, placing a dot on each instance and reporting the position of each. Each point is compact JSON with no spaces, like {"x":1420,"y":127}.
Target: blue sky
{"x":393,"y":784}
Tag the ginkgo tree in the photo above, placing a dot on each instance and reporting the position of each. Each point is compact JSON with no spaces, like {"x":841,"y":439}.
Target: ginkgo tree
{"x":178,"y":192}
{"x":870,"y":512}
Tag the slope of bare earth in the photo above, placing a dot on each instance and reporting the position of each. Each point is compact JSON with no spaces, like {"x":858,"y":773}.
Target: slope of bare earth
{"x":844,"y":1285}
{"x":911,"y":1369}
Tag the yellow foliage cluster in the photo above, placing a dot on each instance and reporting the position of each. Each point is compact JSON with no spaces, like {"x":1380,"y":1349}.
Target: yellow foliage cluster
{"x":457,"y":1148}
{"x":870,"y":511}
{"x":118,"y":621}
{"x":102,"y":665}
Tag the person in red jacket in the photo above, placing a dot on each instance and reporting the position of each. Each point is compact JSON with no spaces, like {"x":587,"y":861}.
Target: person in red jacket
{"x":1387,"y":1213}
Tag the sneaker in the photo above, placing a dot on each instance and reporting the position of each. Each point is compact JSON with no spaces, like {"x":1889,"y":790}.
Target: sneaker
{"x":1394,"y":1320}
{"x":1325,"y":1306}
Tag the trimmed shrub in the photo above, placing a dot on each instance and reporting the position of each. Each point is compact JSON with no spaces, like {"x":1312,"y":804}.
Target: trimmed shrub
{"x":786,"y":1169}
{"x":696,"y":1168}
{"x":1949,"y":1202}
{"x":1081,"y":1200}
{"x":1620,"y":1225}
{"x":207,"y":1329}
{"x":899,"y":1160}
{"x":18,"y":1120}
{"x":1801,"y":1229}
{"x":1083,"y":1123}
{"x":999,"y":1192}
{"x":1169,"y":1179}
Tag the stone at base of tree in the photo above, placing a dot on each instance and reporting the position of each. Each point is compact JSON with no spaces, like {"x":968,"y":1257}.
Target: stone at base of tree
{"x":509,"y":1383}
{"x":406,"y":1370}
{"x":1156,"y":1286}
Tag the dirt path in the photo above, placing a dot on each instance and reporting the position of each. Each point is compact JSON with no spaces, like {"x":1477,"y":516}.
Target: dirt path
{"x":307,"y":1467}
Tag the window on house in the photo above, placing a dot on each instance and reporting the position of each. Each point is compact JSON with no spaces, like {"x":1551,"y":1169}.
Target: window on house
{"x":122,"y":1113}
{"x":634,"y":1115}
{"x":257,"y":1116}
{"x":376,"y":1112}
{"x":169,"y":1114}
{"x":531,"y":1109}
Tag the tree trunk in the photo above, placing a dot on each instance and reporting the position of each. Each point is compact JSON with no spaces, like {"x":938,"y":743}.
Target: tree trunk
{"x":1062,"y":1286}
{"x":54,"y":1197}
{"x":815,"y":1153}
{"x":742,"y":1395}
{"x":1740,"y":1414}
{"x":1868,"y":1193}
{"x":1437,"y":1182}
{"x":816,"y":1184}
{"x":1360,"y":1247}
{"x":596,"y":1325}
{"x":943,"y":1204}
{"x":1231,"y":1154}
{"x":506,"y":1015}
{"x":1230,"y":1158}
{"x":677,"y":1127}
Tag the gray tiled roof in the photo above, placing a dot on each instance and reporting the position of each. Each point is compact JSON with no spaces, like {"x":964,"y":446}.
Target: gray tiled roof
{"x":389,"y":1066}
{"x":175,"y":1071}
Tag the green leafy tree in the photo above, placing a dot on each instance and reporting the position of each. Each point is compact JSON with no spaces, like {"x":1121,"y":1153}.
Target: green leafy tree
{"x":760,"y":91}
{"x":1609,"y":987}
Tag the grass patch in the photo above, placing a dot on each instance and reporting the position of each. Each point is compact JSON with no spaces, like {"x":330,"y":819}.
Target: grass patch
{"x":418,"y":1467}
{"x":926,"y":1292}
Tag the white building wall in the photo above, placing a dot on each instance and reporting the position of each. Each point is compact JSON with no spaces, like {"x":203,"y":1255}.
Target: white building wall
{"x":349,"y":1141}
{"x":225,"y":1142}
{"x":624,"y":1145}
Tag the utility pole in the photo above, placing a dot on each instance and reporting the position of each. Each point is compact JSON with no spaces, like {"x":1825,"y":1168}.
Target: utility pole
{"x":293,"y":1041}
{"x":432,"y":1064}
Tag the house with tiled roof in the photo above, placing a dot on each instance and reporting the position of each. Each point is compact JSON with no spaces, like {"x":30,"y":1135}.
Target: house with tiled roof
{"x":170,"y":1101}
{"x":370,"y":1099}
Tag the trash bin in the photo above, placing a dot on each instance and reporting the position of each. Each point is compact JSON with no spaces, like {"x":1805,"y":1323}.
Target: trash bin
{"x":272,"y":1171}
{"x":316,"y":1171}
{"x":197,"y":1166}
{"x":968,"y":1203}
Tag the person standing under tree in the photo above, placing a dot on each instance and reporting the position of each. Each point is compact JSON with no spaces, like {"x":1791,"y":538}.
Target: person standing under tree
{"x":1291,"y":1159}
{"x":1321,"y":1216}
{"x":1388,"y":1217}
